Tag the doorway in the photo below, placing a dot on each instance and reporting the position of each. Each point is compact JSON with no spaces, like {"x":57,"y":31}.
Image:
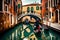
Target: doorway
{"x":56,"y":16}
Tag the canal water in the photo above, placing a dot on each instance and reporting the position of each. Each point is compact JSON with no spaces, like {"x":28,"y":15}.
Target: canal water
{"x":26,"y":32}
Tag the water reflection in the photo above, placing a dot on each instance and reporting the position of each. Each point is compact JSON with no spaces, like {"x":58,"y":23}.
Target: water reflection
{"x":21,"y":33}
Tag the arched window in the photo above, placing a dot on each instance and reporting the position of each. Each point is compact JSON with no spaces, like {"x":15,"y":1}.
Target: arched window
{"x":37,"y":7}
{"x":56,"y":16}
{"x":32,"y":9}
{"x":19,"y":5}
{"x":28,"y":9}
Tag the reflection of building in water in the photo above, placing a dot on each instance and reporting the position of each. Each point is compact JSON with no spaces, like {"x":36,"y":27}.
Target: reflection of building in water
{"x":27,"y":32}
{"x":32,"y":37}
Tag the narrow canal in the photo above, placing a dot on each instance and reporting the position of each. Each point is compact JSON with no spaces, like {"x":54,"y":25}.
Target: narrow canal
{"x":26,"y":32}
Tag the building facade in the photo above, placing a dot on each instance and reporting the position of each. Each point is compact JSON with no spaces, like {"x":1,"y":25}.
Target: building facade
{"x":31,"y":8}
{"x":8,"y":11}
{"x":51,"y":10}
{"x":54,"y":10}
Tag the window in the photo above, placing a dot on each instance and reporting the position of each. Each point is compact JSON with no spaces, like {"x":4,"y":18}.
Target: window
{"x":55,"y":2}
{"x":49,"y":14}
{"x":16,"y":9}
{"x":19,"y":5}
{"x":28,"y":9}
{"x":52,"y":14}
{"x":37,"y":7}
{"x":8,"y":1}
{"x":5,"y":8}
{"x":0,"y":5}
{"x":32,"y":9}
{"x":14,"y":6}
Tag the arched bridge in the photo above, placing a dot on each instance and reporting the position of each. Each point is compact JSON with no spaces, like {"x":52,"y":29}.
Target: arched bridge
{"x":34,"y":15}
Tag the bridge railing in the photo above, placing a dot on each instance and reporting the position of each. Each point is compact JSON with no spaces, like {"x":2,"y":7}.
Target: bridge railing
{"x":29,"y":14}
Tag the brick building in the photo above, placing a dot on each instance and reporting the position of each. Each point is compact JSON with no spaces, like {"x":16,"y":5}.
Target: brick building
{"x":54,"y":10}
{"x":51,"y":10}
{"x":44,"y":8}
{"x":8,"y":13}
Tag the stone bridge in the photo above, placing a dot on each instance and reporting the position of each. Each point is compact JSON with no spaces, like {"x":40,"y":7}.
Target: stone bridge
{"x":34,"y":15}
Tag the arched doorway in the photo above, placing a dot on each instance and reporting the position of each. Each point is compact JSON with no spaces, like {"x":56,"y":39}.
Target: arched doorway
{"x":28,"y":9}
{"x":56,"y":16}
{"x":32,"y":9}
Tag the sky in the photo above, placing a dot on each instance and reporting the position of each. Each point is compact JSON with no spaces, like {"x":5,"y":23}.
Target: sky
{"x":25,"y":2}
